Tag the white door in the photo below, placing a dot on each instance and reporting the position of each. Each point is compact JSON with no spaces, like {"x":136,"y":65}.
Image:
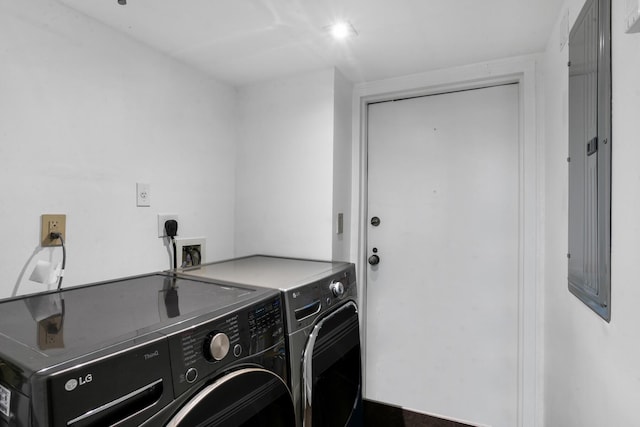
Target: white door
{"x":442,"y":304}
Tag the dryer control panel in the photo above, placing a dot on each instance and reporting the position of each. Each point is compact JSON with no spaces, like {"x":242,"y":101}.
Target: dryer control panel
{"x":306,"y":302}
{"x":209,"y":347}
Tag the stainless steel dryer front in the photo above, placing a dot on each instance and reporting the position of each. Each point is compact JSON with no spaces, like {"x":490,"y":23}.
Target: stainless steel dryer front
{"x":322,"y":327}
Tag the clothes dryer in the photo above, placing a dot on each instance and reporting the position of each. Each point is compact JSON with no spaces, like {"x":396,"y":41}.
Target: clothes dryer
{"x":322,"y":325}
{"x":153,"y":351}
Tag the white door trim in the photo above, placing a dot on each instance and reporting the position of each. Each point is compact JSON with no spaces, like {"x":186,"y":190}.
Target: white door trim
{"x":523,"y":71}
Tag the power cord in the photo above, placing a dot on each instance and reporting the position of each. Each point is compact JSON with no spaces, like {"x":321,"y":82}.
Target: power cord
{"x":175,"y":256}
{"x":171,"y":227}
{"x":53,"y":236}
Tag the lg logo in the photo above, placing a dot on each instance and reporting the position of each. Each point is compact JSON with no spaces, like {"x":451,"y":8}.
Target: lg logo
{"x":73,"y":383}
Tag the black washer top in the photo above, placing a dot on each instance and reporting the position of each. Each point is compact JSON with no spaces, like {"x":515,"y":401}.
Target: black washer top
{"x":47,"y":329}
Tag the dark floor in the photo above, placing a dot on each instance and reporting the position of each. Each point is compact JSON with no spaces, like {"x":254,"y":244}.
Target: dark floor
{"x":382,"y":415}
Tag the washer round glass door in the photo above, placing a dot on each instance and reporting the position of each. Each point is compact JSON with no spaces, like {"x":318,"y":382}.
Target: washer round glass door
{"x":246,"y":397}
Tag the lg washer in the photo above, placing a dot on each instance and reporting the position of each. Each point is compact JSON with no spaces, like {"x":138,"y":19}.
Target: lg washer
{"x":153,"y":350}
{"x":323,"y":339}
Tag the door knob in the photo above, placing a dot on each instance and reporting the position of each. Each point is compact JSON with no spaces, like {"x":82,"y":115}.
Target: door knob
{"x":374,"y":259}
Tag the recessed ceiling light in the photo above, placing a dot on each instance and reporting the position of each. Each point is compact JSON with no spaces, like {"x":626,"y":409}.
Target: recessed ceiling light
{"x":342,"y":30}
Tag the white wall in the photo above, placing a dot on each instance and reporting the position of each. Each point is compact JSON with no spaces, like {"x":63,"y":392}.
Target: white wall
{"x":285,"y":167}
{"x":85,"y":113}
{"x":592,"y":368}
{"x":342,"y":149}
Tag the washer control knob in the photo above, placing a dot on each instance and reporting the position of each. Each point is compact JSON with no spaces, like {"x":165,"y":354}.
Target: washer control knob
{"x":218,"y":345}
{"x":237,"y":350}
{"x":337,"y":289}
{"x":191,"y":375}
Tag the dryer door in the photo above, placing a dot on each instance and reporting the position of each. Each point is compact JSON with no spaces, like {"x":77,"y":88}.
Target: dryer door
{"x":331,"y":389}
{"x":246,"y":397}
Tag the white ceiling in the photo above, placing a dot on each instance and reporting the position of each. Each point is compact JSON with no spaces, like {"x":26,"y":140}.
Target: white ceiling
{"x":245,"y":41}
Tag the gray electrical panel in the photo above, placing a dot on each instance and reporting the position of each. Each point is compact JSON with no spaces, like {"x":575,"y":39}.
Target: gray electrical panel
{"x":590,"y":157}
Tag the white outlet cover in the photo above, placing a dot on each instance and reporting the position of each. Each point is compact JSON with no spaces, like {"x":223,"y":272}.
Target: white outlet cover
{"x":162,"y":218}
{"x":143,"y":194}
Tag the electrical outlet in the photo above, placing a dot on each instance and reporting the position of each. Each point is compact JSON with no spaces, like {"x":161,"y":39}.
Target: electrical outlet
{"x":143,"y":194}
{"x":51,"y":223}
{"x":162,"y":218}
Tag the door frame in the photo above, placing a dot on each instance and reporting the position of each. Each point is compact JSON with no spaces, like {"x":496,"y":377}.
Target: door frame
{"x":521,"y":70}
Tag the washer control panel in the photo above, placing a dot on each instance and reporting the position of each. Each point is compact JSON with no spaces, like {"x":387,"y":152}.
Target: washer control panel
{"x":206,"y":348}
{"x":305,"y":303}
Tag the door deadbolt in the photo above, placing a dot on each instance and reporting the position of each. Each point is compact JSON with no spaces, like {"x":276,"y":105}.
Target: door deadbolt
{"x":375,"y":221}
